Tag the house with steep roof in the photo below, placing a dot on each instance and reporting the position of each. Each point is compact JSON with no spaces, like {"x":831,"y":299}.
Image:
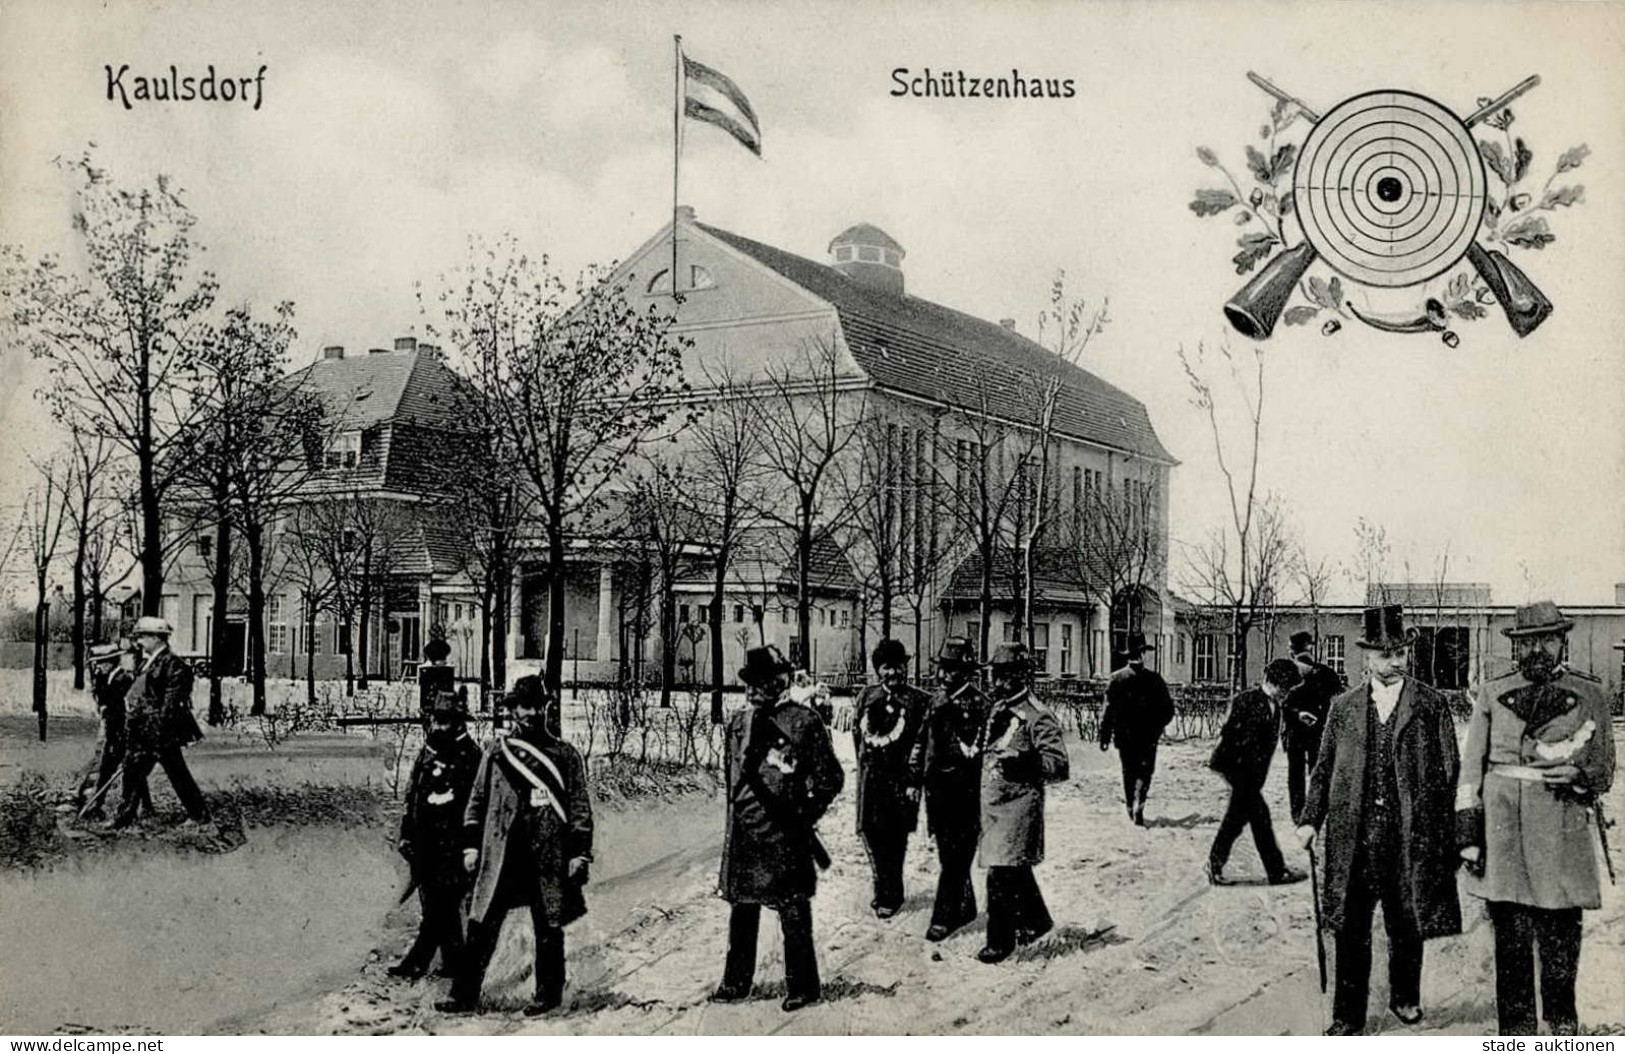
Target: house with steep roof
{"x":933,"y":380}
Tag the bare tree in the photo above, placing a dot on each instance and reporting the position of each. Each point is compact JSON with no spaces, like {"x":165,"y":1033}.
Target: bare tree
{"x":1242,"y":563}
{"x":1372,"y":552}
{"x":660,"y":523}
{"x":724,"y":487}
{"x":811,"y":417}
{"x":1112,"y":551}
{"x":579,"y":382}
{"x":45,"y":512}
{"x":875,"y":493}
{"x":303,"y":546}
{"x":121,"y":338}
{"x":1066,"y":329}
{"x":1314,"y":576}
{"x":88,"y":509}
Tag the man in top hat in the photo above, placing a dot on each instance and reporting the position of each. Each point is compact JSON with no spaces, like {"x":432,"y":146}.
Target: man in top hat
{"x":1303,"y":715}
{"x":1022,"y":750}
{"x":1383,"y":787}
{"x":1539,"y":755}
{"x":431,"y":835}
{"x":1138,"y":708}
{"x":527,"y":837}
{"x":782,"y":776}
{"x":1246,"y":746}
{"x":159,"y":724}
{"x":953,"y":778}
{"x":112,"y":671}
{"x":887,"y":720}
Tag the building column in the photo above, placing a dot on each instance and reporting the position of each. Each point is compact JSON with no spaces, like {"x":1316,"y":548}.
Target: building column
{"x":606,"y":614}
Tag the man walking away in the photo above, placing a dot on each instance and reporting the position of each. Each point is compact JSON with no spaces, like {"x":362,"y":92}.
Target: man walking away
{"x":1138,"y":708}
{"x":112,"y":671}
{"x":782,"y":776}
{"x":1539,"y":757}
{"x":1242,"y":756}
{"x":1303,"y":715}
{"x":1383,"y":789}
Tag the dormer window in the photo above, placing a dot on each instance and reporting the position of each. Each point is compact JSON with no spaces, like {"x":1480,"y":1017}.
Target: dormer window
{"x":843,"y":253}
{"x":344,"y":451}
{"x":869,"y":253}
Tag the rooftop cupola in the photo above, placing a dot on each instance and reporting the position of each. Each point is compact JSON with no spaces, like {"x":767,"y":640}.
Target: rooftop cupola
{"x":869,"y":255}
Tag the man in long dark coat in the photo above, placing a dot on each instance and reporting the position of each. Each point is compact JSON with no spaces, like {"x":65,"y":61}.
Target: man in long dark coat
{"x":1384,"y":788}
{"x":1246,"y":746}
{"x":1539,"y":755}
{"x":159,"y":724}
{"x":1303,"y":714}
{"x":953,"y":776}
{"x":887,"y":721}
{"x":1138,"y":708}
{"x":112,"y":671}
{"x":527,"y":833}
{"x":782,"y":776}
{"x":431,"y":835}
{"x":1023,"y":749}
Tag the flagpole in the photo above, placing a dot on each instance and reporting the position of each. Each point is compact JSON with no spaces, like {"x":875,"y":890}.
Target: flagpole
{"x":676,"y":147}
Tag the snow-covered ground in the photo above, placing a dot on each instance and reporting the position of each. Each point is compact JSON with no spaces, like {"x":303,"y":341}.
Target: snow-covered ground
{"x":291,"y":933}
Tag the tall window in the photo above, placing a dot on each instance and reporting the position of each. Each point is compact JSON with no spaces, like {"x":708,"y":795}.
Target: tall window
{"x":1066,"y":648}
{"x":344,"y":451}
{"x":1179,"y":650}
{"x":276,"y":631}
{"x":973,"y":630}
{"x":1077,"y":501}
{"x":1040,"y":647}
{"x":1334,"y":656}
{"x":1231,"y":656}
{"x":1203,"y":667}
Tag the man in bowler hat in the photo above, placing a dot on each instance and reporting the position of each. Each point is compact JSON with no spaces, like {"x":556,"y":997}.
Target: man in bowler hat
{"x":1242,"y":756}
{"x":887,"y":721}
{"x":1138,"y":708}
{"x":431,"y":836}
{"x":1383,"y":788}
{"x":527,"y":836}
{"x":1539,"y":756}
{"x":782,"y":776}
{"x":953,"y":776}
{"x":1303,"y":714}
{"x":1022,"y":750}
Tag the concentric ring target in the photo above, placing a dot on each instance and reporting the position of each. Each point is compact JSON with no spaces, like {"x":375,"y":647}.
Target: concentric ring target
{"x":1389,"y":189}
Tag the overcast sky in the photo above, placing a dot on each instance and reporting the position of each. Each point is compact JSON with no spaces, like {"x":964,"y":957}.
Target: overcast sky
{"x":389,"y":132}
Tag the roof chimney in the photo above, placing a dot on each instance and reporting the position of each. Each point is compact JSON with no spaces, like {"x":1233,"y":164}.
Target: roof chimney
{"x":868,"y":255}
{"x":1619,"y":593}
{"x":406,"y":343}
{"x":333,"y":351}
{"x":685,"y":213}
{"x":1008,"y":323}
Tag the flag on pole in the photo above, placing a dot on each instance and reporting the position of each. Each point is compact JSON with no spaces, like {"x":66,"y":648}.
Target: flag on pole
{"x":712,"y":97}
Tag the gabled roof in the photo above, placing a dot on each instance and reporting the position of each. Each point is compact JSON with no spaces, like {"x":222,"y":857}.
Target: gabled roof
{"x":914,"y":346}
{"x":361,"y":391}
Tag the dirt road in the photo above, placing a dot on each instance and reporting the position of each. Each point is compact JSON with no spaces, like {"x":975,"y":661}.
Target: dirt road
{"x":1143,"y":944}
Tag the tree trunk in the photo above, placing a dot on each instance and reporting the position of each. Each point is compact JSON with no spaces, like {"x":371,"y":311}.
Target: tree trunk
{"x":554,"y":668}
{"x":152,"y":543}
{"x":719,"y":587}
{"x":79,"y":612}
{"x":803,"y":601}
{"x":985,"y":600}
{"x":1238,"y":634}
{"x":485,"y":645}
{"x":349,"y":659}
{"x":42,"y":645}
{"x":668,"y":636}
{"x":96,"y":603}
{"x":887,"y":597}
{"x":255,"y":538}
{"x":222,"y":598}
{"x":310,"y":650}
{"x":365,"y":619}
{"x":500,"y":606}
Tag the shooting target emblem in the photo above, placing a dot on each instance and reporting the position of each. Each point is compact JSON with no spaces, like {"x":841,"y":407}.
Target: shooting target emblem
{"x":1390,"y":189}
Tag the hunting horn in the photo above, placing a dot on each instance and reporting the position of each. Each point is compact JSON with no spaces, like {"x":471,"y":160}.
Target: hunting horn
{"x":1257,"y":307}
{"x":1526,"y":306}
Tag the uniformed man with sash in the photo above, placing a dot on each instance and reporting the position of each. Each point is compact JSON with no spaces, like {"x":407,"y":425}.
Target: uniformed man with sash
{"x":953,"y":777}
{"x":1539,"y":757}
{"x":887,"y":721}
{"x":528,"y":837}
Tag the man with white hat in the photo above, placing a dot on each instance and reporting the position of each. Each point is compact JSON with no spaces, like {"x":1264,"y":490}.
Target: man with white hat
{"x":160,"y":724}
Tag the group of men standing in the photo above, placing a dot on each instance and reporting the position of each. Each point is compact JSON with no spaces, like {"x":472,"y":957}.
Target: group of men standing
{"x":1396,"y":808}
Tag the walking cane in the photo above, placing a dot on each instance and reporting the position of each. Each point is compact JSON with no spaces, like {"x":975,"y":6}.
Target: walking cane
{"x":1320,"y":936}
{"x":100,"y":792}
